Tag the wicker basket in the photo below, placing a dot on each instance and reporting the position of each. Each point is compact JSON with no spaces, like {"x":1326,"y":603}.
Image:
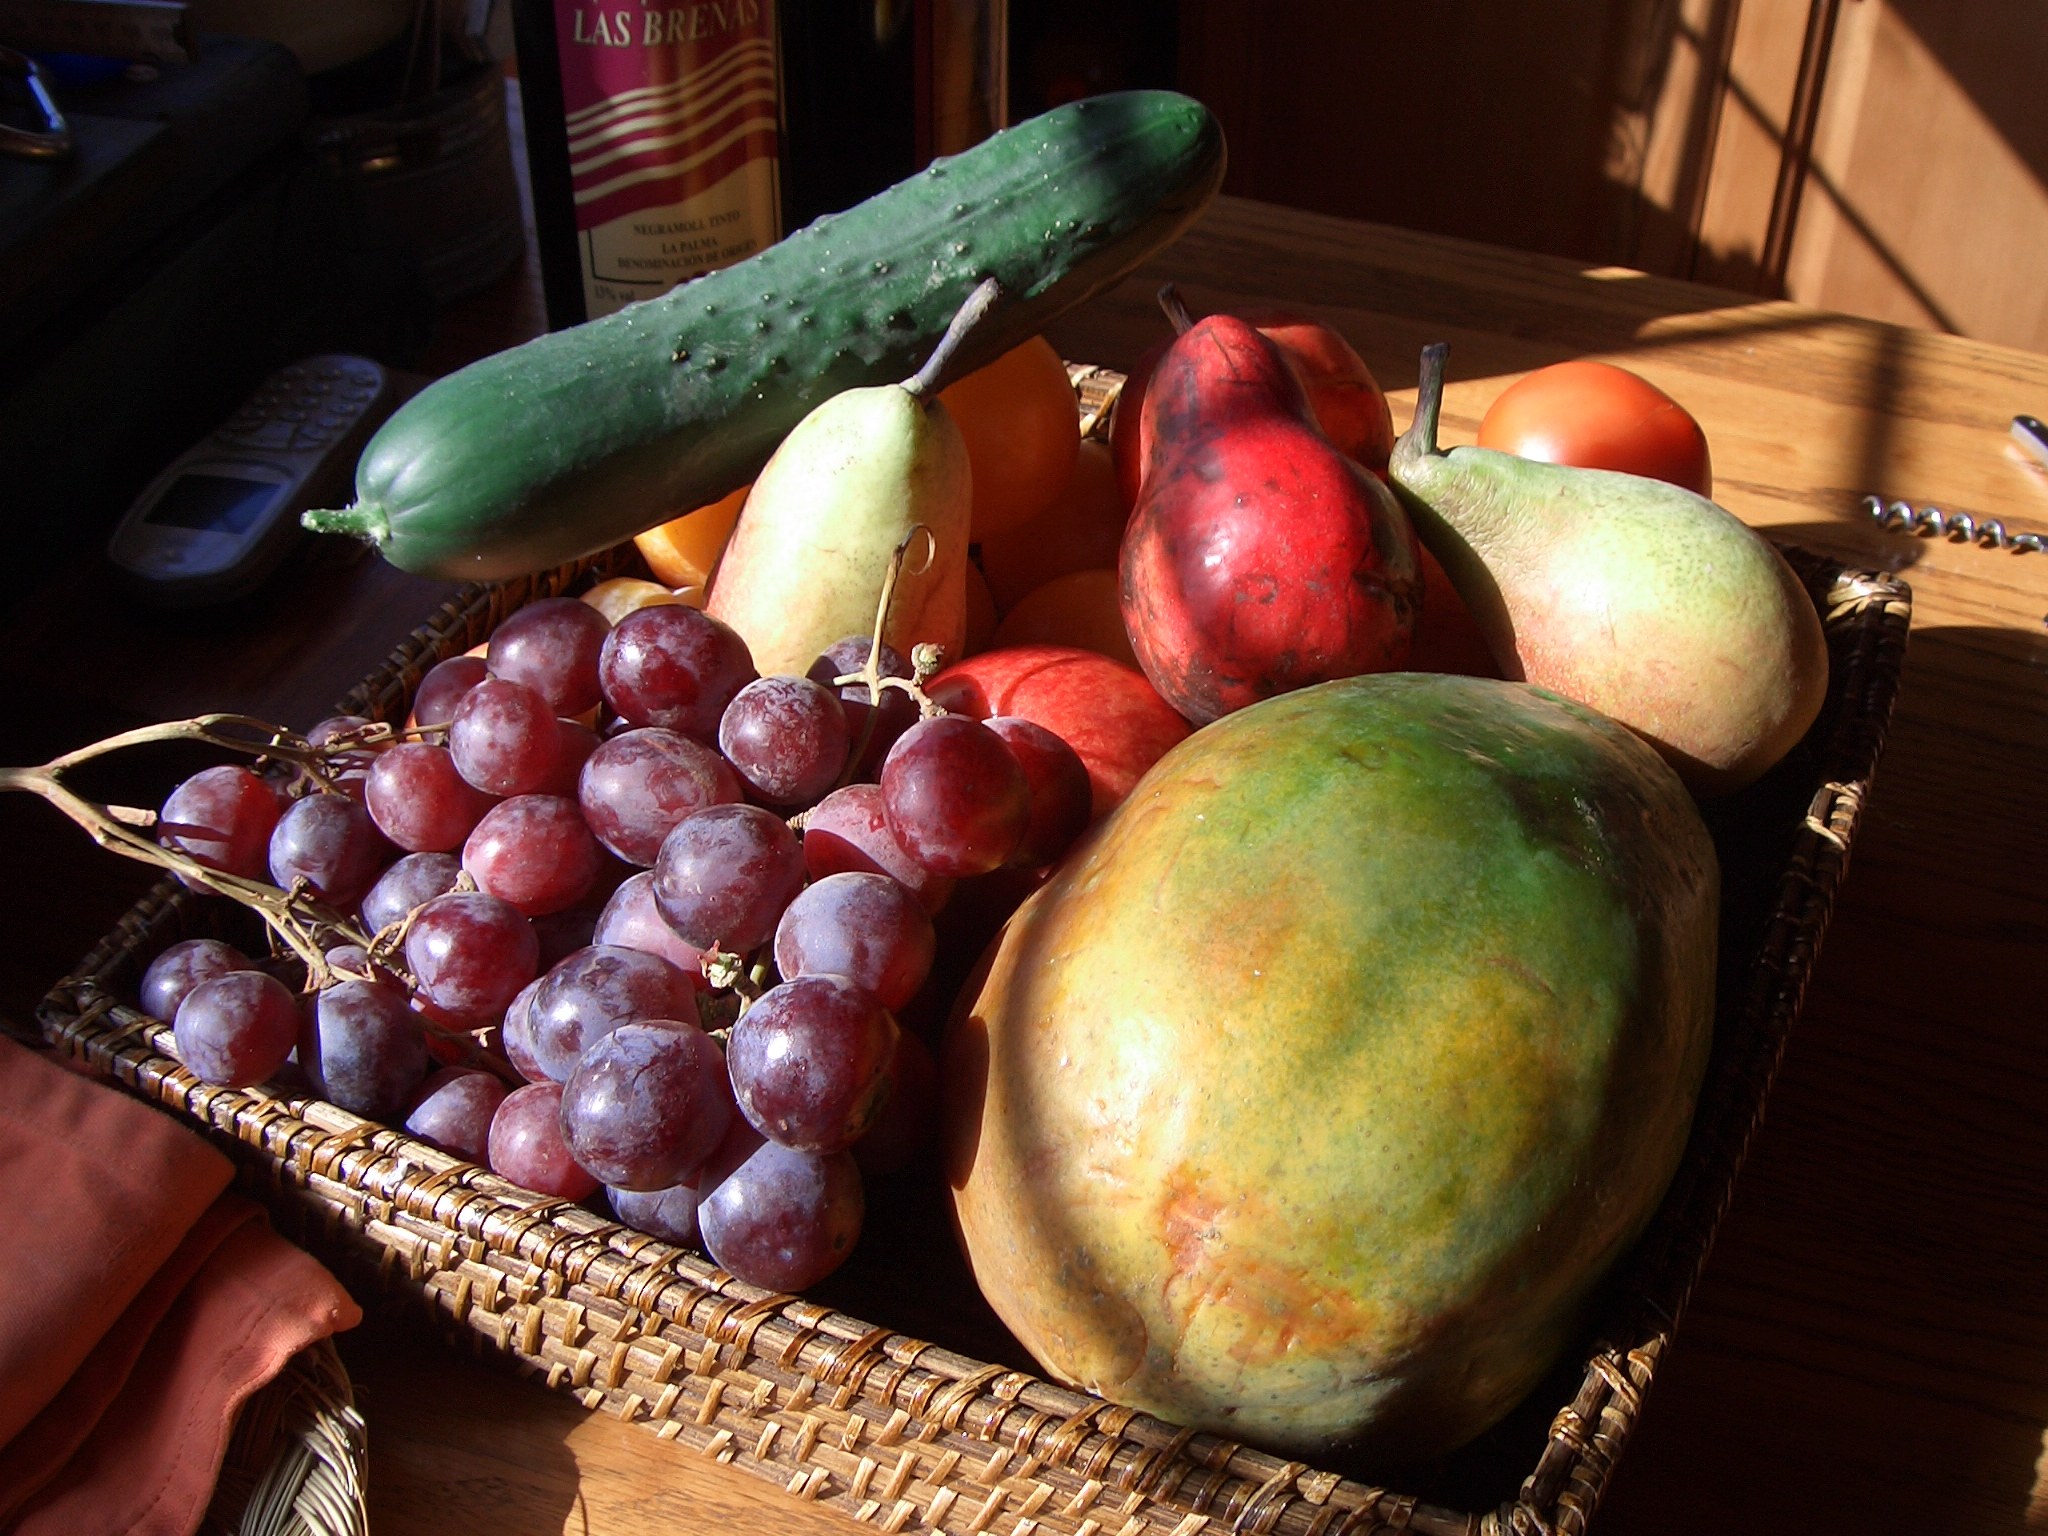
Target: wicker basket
{"x":959,"y":1433}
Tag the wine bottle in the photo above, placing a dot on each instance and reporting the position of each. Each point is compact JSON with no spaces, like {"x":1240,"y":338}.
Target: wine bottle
{"x":653,"y":143}
{"x":668,"y":137}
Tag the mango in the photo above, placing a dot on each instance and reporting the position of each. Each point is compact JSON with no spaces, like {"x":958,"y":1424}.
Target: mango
{"x":1313,"y":1095}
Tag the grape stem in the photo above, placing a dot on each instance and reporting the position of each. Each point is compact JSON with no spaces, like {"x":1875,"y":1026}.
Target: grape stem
{"x":305,"y":926}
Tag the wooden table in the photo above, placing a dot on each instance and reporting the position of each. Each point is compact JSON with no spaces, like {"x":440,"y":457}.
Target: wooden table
{"x":1870,"y":1342}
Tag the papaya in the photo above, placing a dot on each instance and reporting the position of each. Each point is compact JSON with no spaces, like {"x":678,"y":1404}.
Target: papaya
{"x":1312,"y":1096}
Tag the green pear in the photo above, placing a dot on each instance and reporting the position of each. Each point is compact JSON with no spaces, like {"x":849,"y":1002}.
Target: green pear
{"x":867,"y":472}
{"x":1640,"y":599}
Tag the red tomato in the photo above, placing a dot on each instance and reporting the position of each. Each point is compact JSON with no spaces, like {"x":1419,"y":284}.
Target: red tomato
{"x":1598,"y":416}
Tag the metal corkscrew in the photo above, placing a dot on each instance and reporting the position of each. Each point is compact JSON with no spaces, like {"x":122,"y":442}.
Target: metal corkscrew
{"x":1956,"y":527}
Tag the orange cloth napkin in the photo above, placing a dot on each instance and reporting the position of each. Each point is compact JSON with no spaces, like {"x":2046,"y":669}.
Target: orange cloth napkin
{"x":140,"y":1306}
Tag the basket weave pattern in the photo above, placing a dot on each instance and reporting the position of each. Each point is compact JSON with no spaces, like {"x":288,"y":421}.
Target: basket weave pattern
{"x":901,"y":1433}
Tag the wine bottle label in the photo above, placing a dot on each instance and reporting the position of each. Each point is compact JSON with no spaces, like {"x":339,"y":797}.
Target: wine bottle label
{"x":672,"y":115}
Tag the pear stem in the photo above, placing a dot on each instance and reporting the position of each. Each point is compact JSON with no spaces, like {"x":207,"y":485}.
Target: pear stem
{"x":1420,"y":438}
{"x":1176,"y":309}
{"x":938,"y":368}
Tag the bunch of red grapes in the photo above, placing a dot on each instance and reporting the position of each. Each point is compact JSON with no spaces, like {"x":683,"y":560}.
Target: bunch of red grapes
{"x":664,"y":956}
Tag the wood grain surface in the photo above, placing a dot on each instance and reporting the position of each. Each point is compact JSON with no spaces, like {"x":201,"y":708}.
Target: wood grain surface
{"x":1869,"y":1345}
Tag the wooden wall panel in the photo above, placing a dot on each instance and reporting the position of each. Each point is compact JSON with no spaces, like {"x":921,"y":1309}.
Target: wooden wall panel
{"x":1928,"y":200}
{"x":1883,"y":157}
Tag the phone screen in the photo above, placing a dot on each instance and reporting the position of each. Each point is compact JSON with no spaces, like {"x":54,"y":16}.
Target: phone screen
{"x":215,"y":503}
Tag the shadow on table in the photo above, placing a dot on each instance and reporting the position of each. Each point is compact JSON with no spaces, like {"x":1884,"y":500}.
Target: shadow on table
{"x":1866,"y":1332}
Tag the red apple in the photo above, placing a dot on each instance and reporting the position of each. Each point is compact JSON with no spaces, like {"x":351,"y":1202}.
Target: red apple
{"x":1106,"y":711}
{"x":1350,"y":406}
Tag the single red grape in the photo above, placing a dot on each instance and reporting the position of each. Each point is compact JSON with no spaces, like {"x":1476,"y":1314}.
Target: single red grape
{"x":868,"y":928}
{"x":536,"y":852}
{"x":420,"y":800}
{"x":955,"y":796}
{"x":362,"y":1048}
{"x":646,"y":1104}
{"x":329,"y":841}
{"x":674,"y":666}
{"x":809,"y":1062}
{"x":783,"y":1219}
{"x":638,"y":784}
{"x":222,"y":817}
{"x":505,"y":738}
{"x":453,"y":1110}
{"x":525,"y":1144}
{"x":787,"y":738}
{"x":471,"y":952}
{"x":551,"y":645}
{"x":725,"y":873}
{"x":236,"y":1029}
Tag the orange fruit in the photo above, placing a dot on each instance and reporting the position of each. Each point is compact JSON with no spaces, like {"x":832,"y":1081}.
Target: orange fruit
{"x":623,"y":594}
{"x":1022,"y":423}
{"x":682,"y":551}
{"x":1079,"y":609}
{"x":1080,"y":531}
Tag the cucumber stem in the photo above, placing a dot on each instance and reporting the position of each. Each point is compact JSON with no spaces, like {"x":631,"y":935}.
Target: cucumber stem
{"x":937,"y":369}
{"x":365,"y":520}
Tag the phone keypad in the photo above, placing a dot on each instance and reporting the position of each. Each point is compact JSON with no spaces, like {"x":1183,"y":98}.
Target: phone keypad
{"x":303,"y":408}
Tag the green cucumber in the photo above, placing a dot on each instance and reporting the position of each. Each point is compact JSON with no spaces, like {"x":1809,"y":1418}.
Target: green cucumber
{"x":575,"y":441}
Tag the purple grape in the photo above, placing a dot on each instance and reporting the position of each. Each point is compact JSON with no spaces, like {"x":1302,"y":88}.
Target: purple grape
{"x":725,"y":873}
{"x":536,"y":852}
{"x":505,"y":738}
{"x":638,"y":784}
{"x":593,"y":992}
{"x":675,"y":667}
{"x":470,"y":952}
{"x":955,"y":796}
{"x":809,"y":1062}
{"x":453,"y":1110}
{"x":867,"y":928}
{"x":330,"y":842}
{"x":420,"y":800}
{"x":222,"y":817}
{"x":172,"y":975}
{"x":669,"y":1214}
{"x":891,"y":717}
{"x":783,"y":1219}
{"x":433,"y":703}
{"x":551,"y":646}
{"x":631,"y":919}
{"x":410,"y":882}
{"x":525,"y":1144}
{"x":362,"y":1048}
{"x":787,"y":738}
{"x":236,"y":1029}
{"x":646,"y":1104}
